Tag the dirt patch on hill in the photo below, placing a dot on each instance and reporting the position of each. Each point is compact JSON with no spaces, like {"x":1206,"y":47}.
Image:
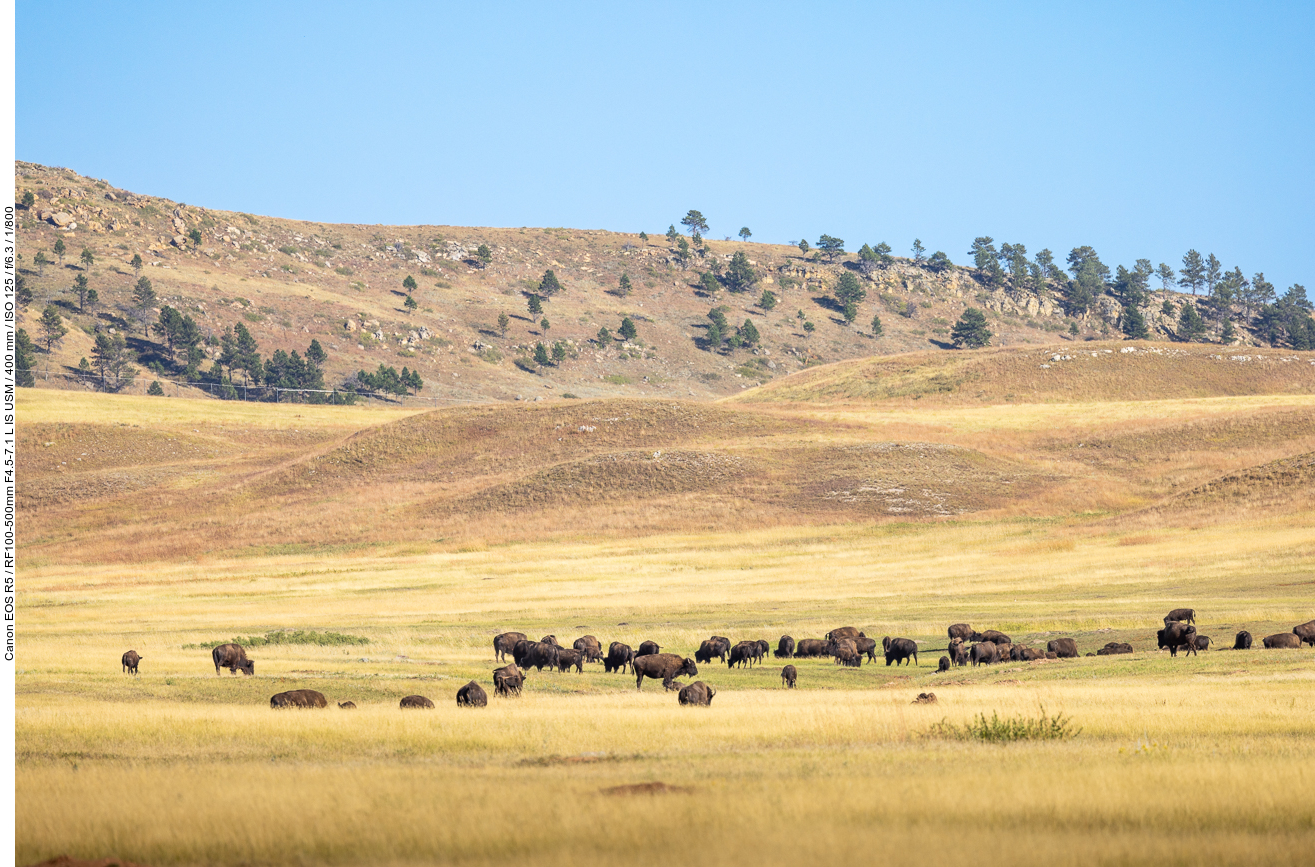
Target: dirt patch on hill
{"x":1289,"y":482}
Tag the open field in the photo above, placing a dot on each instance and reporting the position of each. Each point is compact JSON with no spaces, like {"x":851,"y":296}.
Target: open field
{"x":169,"y":526}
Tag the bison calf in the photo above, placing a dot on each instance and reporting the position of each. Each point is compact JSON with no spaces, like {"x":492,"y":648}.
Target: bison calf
{"x":130,"y":660}
{"x":789,"y":675}
{"x":415,"y":701}
{"x":347,"y":705}
{"x":508,"y":680}
{"x":944,"y":664}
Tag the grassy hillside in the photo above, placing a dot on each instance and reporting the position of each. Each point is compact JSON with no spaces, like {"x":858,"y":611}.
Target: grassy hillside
{"x":291,"y":281}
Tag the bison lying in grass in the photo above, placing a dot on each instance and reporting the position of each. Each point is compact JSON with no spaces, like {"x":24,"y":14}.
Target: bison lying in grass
{"x":697,"y":694}
{"x":299,"y":698}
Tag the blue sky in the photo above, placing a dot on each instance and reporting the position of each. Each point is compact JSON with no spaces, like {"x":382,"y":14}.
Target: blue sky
{"x":1140,"y":129}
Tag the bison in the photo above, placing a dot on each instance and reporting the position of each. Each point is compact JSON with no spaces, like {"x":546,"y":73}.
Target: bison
{"x":789,"y":675}
{"x":984,"y":653}
{"x":539,"y":654}
{"x":567,"y":658}
{"x":1025,"y":654}
{"x":1113,"y":648}
{"x":960,"y":630}
{"x":547,"y":639}
{"x":347,"y":705}
{"x":1202,"y":642}
{"x":618,"y":657}
{"x":742,"y":654}
{"x":785,"y":647}
{"x":809,"y":647}
{"x":664,"y":666}
{"x":849,"y":632}
{"x":958,"y":653}
{"x":416,"y":701}
{"x":299,"y":698}
{"x":1180,"y":615}
{"x":763,"y":648}
{"x":647,"y":648}
{"x":707,"y":650}
{"x":697,"y":694}
{"x":1283,"y":639}
{"x":508,"y":680}
{"x":899,"y":650}
{"x":472,"y":695}
{"x":505,"y":643}
{"x":1243,"y":641}
{"x":1177,"y":636}
{"x":843,"y":646}
{"x":995,"y":637}
{"x":130,"y":660}
{"x":1064,"y":648}
{"x":232,"y":657}
{"x":943,"y":665}
{"x":589,"y":647}
{"x":849,"y":658}
{"x":866,"y":647}
{"x":1306,"y":632}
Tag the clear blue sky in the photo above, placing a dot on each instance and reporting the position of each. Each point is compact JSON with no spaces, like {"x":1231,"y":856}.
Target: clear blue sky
{"x":1141,"y":129}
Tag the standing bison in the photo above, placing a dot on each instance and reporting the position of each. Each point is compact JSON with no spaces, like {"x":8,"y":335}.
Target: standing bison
{"x":984,"y":653}
{"x":664,"y":666}
{"x":958,"y":653}
{"x":1180,"y":615}
{"x":785,"y":647}
{"x":995,"y":637}
{"x":843,"y":632}
{"x":299,"y":698}
{"x":647,"y":648}
{"x":809,"y":647}
{"x":944,"y":664}
{"x":472,"y":695}
{"x":1063,"y":648}
{"x":866,"y":647}
{"x":1202,"y":642}
{"x":1306,"y":632}
{"x":538,"y":654}
{"x":508,"y":680}
{"x":697,"y":694}
{"x":707,"y":650}
{"x":618,"y":657}
{"x":899,"y":650}
{"x":232,"y":657}
{"x":590,"y":647}
{"x":742,"y":654}
{"x":1283,"y":639}
{"x":1177,"y":636}
{"x":417,"y":702}
{"x":567,"y":658}
{"x":789,"y":675}
{"x":130,"y":660}
{"x":505,"y":643}
{"x":961,"y":630}
{"x":1243,"y":641}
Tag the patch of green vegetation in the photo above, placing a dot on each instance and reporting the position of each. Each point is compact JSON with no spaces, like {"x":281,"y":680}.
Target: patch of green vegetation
{"x":442,"y":284}
{"x":618,"y":379}
{"x":289,"y":636}
{"x":569,"y":396}
{"x":428,"y":272}
{"x":149,"y":211}
{"x":252,"y":316}
{"x":344,"y":271}
{"x":288,"y":250}
{"x":490,"y":354}
{"x":999,"y":731}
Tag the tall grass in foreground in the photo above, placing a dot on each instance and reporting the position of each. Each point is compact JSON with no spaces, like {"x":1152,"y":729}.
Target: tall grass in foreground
{"x":1043,"y":727}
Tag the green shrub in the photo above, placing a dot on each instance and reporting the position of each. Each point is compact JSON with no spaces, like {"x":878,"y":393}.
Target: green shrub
{"x":289,"y":636}
{"x":998,"y":731}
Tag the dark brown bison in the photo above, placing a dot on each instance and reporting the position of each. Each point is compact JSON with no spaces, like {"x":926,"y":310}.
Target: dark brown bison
{"x":958,"y":652}
{"x":696,"y":694}
{"x":849,"y":658}
{"x":995,"y":637}
{"x":416,"y":701}
{"x":590,"y":647}
{"x":789,"y":675}
{"x":1064,"y":648}
{"x":1113,"y":648}
{"x":961,"y":630}
{"x":1180,"y":615}
{"x":1283,"y":639}
{"x":866,"y":647}
{"x":1306,"y":632}
{"x":785,"y":647}
{"x":547,"y":639}
{"x":707,"y":651}
{"x":925,"y":698}
{"x":1243,"y":641}
{"x":505,"y":643}
{"x":567,"y":658}
{"x":984,"y":653}
{"x":845,"y":646}
{"x":539,"y":654}
{"x":742,"y":654}
{"x":508,"y":680}
{"x":647,"y":648}
{"x":1019,"y":653}
{"x":1202,"y":642}
{"x":472,"y":695}
{"x":299,"y":698}
{"x":899,"y":650}
{"x":232,"y":657}
{"x":810,"y":647}
{"x":347,"y":705}
{"x":130,"y":660}
{"x":723,"y":644}
{"x":618,"y":657}
{"x":1177,"y":636}
{"x":763,"y":649}
{"x":944,"y":664}
{"x":664,"y":666}
{"x":520,"y":649}
{"x":849,"y":632}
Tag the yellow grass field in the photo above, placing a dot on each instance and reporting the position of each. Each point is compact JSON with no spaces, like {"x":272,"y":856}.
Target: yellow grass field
{"x":191,"y":523}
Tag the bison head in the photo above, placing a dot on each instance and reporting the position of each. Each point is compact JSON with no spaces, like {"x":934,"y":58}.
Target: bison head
{"x":688,"y":667}
{"x":247,"y":666}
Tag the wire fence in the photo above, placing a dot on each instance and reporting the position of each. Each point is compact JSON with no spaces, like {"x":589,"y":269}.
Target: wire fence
{"x":235,"y":391}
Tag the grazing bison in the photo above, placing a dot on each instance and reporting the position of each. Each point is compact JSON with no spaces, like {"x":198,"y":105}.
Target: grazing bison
{"x":664,"y":666}
{"x":763,"y":649}
{"x":958,"y":653}
{"x":944,"y":664}
{"x":1243,"y":641}
{"x":1113,"y":648}
{"x":539,"y":654}
{"x":723,"y":644}
{"x":697,"y":694}
{"x":707,"y":650}
{"x":1283,"y":639}
{"x":472,"y":695}
{"x":520,"y":649}
{"x":647,"y":648}
{"x":899,"y":650}
{"x":742,"y":654}
{"x":1177,"y":636}
{"x":130,"y":660}
{"x":984,"y":653}
{"x":547,"y":639}
{"x":961,"y":630}
{"x":866,"y":647}
{"x":416,"y":701}
{"x":789,"y":675}
{"x":590,"y":647}
{"x":347,"y":705}
{"x":299,"y":698}
{"x":843,"y":645}
{"x":785,"y":647}
{"x":1306,"y":632}
{"x":567,"y":658}
{"x":232,"y":657}
{"x":506,"y":643}
{"x":843,"y":632}
{"x":1180,"y":615}
{"x":1202,"y":642}
{"x":925,"y":698}
{"x":810,"y":647}
{"x":1025,"y":654}
{"x":1064,"y":648}
{"x":995,"y":637}
{"x":508,"y":680}
{"x":845,"y":655}
{"x":618,"y":657}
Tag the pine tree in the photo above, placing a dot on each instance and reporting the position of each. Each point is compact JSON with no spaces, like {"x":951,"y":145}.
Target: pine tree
{"x":484,"y":255}
{"x":767,"y":300}
{"x":24,"y":360}
{"x":745,"y":234}
{"x":971,"y":330}
{"x":52,"y":326}
{"x":409,"y":284}
{"x":545,"y":324}
{"x":558,"y":353}
{"x":144,"y":298}
{"x":740,"y":276}
{"x":1133,"y":323}
{"x":918,"y":250}
{"x":623,"y":286}
{"x":541,"y":355}
{"x":410,"y":304}
{"x":503,"y":321}
{"x":60,"y":249}
{"x":549,"y":286}
{"x":1191,"y":327}
{"x":627,"y":329}
{"x":535,"y":305}
{"x":136,"y":264}
{"x":849,"y":290}
{"x":748,"y":333}
{"x":604,"y":337}
{"x":803,"y":247}
{"x":697,"y":225}
{"x":88,"y":258}
{"x":1193,"y":273}
{"x":877,"y":330}
{"x":80,"y":289}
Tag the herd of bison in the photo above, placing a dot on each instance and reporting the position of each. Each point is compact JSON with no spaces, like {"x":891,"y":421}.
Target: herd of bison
{"x":846,"y":645}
